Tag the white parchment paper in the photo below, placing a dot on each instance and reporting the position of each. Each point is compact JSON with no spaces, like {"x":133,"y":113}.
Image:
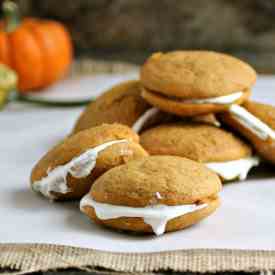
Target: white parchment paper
{"x":246,"y":219}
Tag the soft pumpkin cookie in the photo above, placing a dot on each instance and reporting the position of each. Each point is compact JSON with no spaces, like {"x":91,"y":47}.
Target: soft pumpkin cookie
{"x":153,"y":194}
{"x":219,"y":150}
{"x":69,"y":169}
{"x":189,"y":83}
{"x":256,"y":122}
{"x":121,"y":104}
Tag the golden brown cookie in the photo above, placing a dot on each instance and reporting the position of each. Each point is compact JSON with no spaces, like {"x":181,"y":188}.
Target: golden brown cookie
{"x":256,"y":122}
{"x":69,"y":169}
{"x":195,"y":82}
{"x":153,"y":194}
{"x":121,"y":104}
{"x":196,"y":74}
{"x":220,"y":150}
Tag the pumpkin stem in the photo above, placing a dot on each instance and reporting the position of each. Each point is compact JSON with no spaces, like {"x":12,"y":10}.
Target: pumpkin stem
{"x":11,"y":15}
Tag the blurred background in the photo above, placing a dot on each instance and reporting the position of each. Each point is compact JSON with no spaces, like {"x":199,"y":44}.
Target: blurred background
{"x":124,"y":30}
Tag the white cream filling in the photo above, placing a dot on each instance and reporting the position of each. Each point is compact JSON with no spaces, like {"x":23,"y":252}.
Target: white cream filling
{"x":143,"y":119}
{"x":138,"y":125}
{"x":226,"y":99}
{"x":78,"y":167}
{"x":156,"y":216}
{"x":252,"y":123}
{"x":234,"y":169}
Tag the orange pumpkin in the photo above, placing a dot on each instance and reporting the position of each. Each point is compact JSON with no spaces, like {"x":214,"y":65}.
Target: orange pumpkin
{"x":40,"y":51}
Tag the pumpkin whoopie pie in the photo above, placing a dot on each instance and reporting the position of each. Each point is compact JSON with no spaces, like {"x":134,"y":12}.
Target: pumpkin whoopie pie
{"x":189,"y":83}
{"x":218,"y":149}
{"x":69,"y":169}
{"x":120,"y":104}
{"x":153,"y":194}
{"x":256,"y":122}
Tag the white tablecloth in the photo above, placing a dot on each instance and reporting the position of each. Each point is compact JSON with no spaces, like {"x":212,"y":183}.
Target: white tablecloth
{"x":246,"y":219}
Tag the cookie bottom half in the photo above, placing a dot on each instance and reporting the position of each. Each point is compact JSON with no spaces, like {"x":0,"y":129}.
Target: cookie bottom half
{"x":187,"y":109}
{"x":138,"y":224}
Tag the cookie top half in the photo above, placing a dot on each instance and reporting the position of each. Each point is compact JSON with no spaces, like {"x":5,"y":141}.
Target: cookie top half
{"x":120,"y":104}
{"x":196,"y":141}
{"x":156,"y":179}
{"x":196,"y":74}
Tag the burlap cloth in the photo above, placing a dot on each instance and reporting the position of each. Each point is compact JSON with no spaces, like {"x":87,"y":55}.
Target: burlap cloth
{"x":31,"y":258}
{"x":27,"y":258}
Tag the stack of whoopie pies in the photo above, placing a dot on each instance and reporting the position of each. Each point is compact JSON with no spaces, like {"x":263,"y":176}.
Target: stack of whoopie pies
{"x":149,"y":155}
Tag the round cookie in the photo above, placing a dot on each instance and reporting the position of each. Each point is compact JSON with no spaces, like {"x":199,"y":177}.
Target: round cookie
{"x":69,"y":169}
{"x":153,"y":194}
{"x":219,"y":150}
{"x":189,"y":83}
{"x":256,"y":122}
{"x":121,"y":104}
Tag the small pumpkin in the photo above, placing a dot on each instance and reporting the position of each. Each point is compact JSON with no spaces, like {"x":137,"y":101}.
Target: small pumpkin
{"x":40,"y":51}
